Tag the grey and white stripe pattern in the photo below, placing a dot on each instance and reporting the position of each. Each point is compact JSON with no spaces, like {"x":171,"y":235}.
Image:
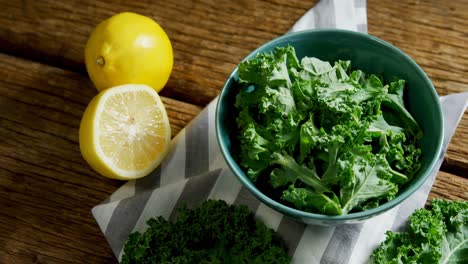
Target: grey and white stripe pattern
{"x":342,"y":14}
{"x":194,"y":171}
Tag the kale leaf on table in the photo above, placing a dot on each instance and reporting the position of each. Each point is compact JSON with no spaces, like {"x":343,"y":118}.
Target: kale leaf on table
{"x":215,"y":232}
{"x":325,"y":138}
{"x":435,"y":235}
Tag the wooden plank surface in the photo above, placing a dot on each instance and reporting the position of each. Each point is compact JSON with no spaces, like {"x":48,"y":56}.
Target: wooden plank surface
{"x":58,"y":97}
{"x":456,"y":158}
{"x":435,"y":35}
{"x":458,"y":187}
{"x":47,"y":189}
{"x":55,"y":32}
{"x":209,"y":39}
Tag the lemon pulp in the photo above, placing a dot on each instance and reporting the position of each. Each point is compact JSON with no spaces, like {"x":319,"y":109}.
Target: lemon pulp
{"x":125,"y":132}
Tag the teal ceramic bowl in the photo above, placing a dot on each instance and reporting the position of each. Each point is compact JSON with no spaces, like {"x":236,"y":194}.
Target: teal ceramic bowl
{"x":372,"y":55}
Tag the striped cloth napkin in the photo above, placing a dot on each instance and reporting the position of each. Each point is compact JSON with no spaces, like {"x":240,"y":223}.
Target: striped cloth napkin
{"x":194,"y":171}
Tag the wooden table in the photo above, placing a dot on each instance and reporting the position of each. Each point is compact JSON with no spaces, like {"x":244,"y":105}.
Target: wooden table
{"x":46,"y":188}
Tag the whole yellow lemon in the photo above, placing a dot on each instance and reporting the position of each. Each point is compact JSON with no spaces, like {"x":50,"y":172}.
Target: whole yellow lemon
{"x":129,"y":48}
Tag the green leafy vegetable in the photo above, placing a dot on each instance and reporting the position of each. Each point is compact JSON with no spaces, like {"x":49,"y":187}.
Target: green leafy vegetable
{"x":322,"y":137}
{"x":435,"y":235}
{"x":214,"y":233}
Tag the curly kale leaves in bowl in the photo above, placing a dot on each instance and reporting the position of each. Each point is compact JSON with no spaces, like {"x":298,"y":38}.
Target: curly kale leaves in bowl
{"x":323,"y":138}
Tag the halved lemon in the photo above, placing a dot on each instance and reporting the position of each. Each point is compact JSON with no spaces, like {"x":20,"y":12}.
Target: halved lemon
{"x":125,"y":132}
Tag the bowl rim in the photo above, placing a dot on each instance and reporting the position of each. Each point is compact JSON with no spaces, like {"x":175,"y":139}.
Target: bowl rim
{"x":402,"y":196}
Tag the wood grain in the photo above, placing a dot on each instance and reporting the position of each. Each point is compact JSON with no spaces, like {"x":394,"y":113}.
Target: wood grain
{"x":209,"y":38}
{"x":458,"y":187}
{"x":435,"y":35}
{"x":58,"y":97}
{"x":457,"y":154}
{"x":209,"y":41}
{"x":47,"y":189}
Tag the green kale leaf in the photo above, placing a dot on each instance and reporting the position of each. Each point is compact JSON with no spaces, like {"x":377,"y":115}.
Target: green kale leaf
{"x":321,"y":136}
{"x":215,"y":232}
{"x":436,"y":235}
